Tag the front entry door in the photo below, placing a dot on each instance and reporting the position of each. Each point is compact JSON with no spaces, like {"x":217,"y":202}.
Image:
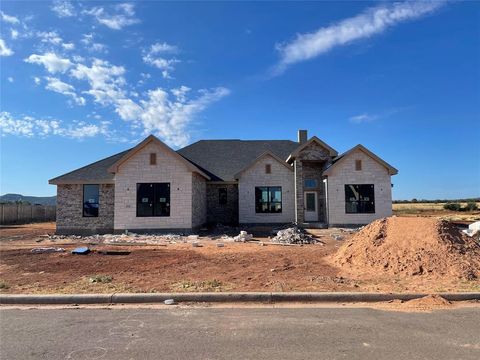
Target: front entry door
{"x":311,"y":206}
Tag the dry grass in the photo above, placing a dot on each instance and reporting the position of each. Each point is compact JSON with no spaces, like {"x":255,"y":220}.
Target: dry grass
{"x":436,"y":210}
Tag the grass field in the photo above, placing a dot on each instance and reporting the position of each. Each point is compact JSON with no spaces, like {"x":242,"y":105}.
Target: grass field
{"x":435,"y":209}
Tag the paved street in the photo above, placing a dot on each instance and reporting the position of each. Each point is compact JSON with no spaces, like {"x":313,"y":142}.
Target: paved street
{"x":239,"y":333}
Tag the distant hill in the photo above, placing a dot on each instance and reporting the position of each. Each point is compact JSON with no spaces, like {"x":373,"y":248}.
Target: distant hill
{"x":45,"y":200}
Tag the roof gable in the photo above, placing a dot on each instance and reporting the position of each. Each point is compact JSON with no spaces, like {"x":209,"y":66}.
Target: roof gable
{"x":265,"y":154}
{"x":316,"y":140}
{"x":223,"y":159}
{"x":152,"y":139}
{"x":360,"y":147}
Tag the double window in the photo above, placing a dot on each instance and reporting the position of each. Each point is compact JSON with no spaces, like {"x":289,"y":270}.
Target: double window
{"x":360,"y":199}
{"x":153,"y":199}
{"x":90,"y":200}
{"x":268,"y":199}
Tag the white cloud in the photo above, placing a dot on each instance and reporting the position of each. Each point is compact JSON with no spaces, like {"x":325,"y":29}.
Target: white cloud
{"x":123,"y":15}
{"x":56,"y":85}
{"x":37,"y":80}
{"x":14,"y":34}
{"x":162,"y":48}
{"x":371,"y":22}
{"x":88,"y":41}
{"x":362,"y":118}
{"x":68,"y":46}
{"x":170,"y":118}
{"x":51,"y":61}
{"x":9,"y":19}
{"x":4,"y":49}
{"x":161,"y":62}
{"x":50,"y":37}
{"x":10,"y":79}
{"x":30,"y":127}
{"x":63,"y":8}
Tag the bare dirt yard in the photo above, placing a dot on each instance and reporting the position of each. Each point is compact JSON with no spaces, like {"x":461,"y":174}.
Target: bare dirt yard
{"x":176,"y":265}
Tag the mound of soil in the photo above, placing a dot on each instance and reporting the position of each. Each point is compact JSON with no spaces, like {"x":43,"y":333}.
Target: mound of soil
{"x":411,"y":246}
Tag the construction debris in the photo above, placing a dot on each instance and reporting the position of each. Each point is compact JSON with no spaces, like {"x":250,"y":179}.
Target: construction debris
{"x":83,"y":250}
{"x":45,"y":250}
{"x":169,"y":302}
{"x":113,"y":252}
{"x":473,"y":229}
{"x":294,"y":235}
{"x":243,"y":236}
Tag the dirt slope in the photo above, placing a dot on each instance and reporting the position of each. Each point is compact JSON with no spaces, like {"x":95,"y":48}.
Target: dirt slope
{"x":411,"y":246}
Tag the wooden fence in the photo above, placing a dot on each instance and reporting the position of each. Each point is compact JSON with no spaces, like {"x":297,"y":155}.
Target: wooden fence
{"x":24,"y":214}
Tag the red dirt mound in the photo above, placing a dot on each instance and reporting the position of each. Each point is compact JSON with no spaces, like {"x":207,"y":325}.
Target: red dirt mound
{"x":411,"y":246}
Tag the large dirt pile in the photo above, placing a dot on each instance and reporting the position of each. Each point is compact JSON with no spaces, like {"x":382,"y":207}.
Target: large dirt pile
{"x":411,"y":246}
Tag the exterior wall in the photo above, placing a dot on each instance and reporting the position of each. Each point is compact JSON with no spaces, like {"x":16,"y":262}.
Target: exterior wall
{"x":344,"y":173}
{"x":314,"y":170}
{"x":218,"y":213}
{"x":137,"y":169}
{"x":199,"y":200}
{"x":70,"y":218}
{"x":311,"y":160}
{"x":256,"y":176}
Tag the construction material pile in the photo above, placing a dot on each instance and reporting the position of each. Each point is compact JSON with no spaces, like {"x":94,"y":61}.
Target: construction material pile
{"x":409,"y":246}
{"x":294,"y":235}
{"x":128,"y":237}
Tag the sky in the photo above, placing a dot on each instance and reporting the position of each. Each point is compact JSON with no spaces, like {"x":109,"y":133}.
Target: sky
{"x":81,"y":81}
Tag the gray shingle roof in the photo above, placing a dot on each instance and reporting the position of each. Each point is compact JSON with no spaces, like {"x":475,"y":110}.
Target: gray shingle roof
{"x":222,"y":159}
{"x":219,"y":159}
{"x":96,"y":171}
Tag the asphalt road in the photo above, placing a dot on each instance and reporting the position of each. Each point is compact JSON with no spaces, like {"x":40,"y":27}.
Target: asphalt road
{"x":239,"y":333}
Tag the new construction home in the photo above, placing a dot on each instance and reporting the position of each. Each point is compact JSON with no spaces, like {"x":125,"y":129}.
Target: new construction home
{"x":151,"y":187}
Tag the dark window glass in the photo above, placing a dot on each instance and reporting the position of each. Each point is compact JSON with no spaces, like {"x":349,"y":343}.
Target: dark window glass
{"x":310,"y":201}
{"x":90,"y":200}
{"x":310,"y":183}
{"x":268,"y":199}
{"x":222,"y":196}
{"x":268,"y":169}
{"x":153,"y":199}
{"x":359,"y":199}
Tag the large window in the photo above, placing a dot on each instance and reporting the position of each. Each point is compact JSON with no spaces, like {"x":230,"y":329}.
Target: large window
{"x":153,"y":199}
{"x":359,"y":199}
{"x":268,"y":199}
{"x":90,"y":200}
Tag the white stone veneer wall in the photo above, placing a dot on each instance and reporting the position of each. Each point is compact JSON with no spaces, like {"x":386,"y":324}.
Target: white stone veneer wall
{"x":344,"y":173}
{"x":256,"y":176}
{"x":137,"y":169}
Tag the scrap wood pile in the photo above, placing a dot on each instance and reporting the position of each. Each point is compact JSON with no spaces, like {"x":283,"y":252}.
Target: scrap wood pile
{"x":294,"y":235}
{"x":408,"y":246}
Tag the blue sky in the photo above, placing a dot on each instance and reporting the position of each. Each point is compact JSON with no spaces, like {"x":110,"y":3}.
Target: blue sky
{"x":84,"y":80}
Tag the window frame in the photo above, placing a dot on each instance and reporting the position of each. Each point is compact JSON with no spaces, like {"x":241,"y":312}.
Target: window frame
{"x":361,"y":203}
{"x":268,"y":168}
{"x":153,"y":159}
{"x":97,"y":203}
{"x":358,"y":165}
{"x":269,"y":202}
{"x":153,"y":202}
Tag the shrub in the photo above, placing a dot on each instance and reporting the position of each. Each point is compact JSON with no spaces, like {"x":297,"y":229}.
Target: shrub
{"x":101,"y":279}
{"x":471,"y":206}
{"x":452,"y":206}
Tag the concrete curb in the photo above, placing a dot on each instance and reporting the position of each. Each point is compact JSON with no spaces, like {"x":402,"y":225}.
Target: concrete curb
{"x":264,"y":297}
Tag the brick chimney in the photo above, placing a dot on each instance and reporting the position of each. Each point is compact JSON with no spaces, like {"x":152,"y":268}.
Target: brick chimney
{"x":302,"y":136}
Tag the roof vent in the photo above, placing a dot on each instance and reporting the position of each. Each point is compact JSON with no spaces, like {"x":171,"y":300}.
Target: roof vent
{"x":302,"y":136}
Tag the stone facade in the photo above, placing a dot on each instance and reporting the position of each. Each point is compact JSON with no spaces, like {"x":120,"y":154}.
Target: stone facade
{"x":222,"y":213}
{"x":314,"y":170}
{"x":309,"y":164}
{"x":199,"y":200}
{"x":344,"y":173}
{"x":256,"y":176}
{"x":168,"y":169}
{"x":70,"y":219}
